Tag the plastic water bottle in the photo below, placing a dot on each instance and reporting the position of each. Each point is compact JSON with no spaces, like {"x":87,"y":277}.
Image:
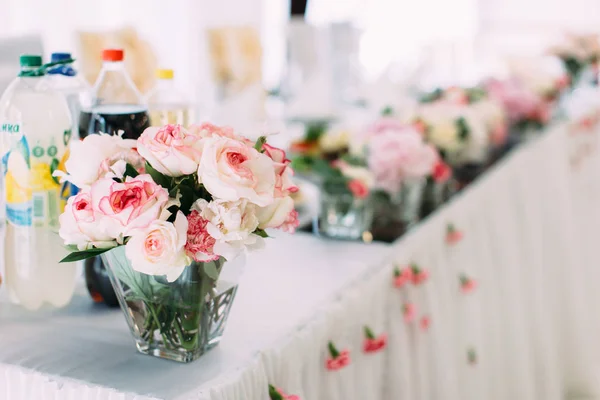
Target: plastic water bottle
{"x":35,"y":129}
{"x":165,"y":104}
{"x":64,"y":78}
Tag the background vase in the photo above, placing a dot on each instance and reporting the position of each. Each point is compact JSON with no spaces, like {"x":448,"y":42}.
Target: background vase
{"x":178,"y":320}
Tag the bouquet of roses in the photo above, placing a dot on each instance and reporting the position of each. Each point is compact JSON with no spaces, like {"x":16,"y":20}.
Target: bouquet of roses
{"x":176,"y":200}
{"x":577,"y":52}
{"x":195,"y":194}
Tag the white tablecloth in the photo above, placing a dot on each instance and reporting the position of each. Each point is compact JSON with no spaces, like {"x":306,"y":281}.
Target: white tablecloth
{"x":530,"y":242}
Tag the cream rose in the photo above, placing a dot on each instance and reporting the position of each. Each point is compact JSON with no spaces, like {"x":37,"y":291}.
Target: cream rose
{"x":170,"y":150}
{"x":275,"y":215}
{"x":158,"y":249}
{"x":231,"y":170}
{"x":231,"y":224}
{"x":335,"y":139}
{"x":93,"y":157}
{"x":80,"y":226}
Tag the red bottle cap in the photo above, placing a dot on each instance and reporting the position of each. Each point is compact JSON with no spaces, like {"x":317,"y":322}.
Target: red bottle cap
{"x":112,"y":55}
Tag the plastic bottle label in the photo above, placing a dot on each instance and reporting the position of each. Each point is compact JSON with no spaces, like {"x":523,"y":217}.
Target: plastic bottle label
{"x":33,"y":195}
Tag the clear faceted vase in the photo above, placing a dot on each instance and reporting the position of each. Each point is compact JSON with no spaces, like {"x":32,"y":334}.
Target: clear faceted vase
{"x":178,"y":320}
{"x":343,"y":216}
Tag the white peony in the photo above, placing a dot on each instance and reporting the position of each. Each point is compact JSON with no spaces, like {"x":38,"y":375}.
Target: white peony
{"x":94,"y":156}
{"x":159,"y":248}
{"x":231,"y":223}
{"x":231,"y":170}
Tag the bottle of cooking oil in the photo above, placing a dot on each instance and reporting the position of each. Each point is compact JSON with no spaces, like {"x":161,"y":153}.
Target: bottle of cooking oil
{"x":166,"y":104}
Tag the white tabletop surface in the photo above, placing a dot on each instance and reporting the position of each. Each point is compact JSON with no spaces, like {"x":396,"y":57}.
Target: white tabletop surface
{"x":283,"y":287}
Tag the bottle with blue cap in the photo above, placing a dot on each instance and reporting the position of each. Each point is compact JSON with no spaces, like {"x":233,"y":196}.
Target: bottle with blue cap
{"x":35,"y":129}
{"x":65,"y":79}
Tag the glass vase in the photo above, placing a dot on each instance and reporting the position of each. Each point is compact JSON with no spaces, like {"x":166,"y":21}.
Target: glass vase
{"x":178,"y":320}
{"x":343,"y":215}
{"x":435,"y":194}
{"x":395,"y":214}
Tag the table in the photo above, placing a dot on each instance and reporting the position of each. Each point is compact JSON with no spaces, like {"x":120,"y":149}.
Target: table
{"x":527,"y":332}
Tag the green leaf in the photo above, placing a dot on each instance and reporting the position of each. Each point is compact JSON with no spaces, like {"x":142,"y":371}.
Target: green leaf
{"x":82,"y":255}
{"x":260,"y":143}
{"x":432,"y":96}
{"x":54,"y":167}
{"x":261,"y":233}
{"x":353,"y":160}
{"x":130,"y":171}
{"x":315,"y":130}
{"x":387,"y":111}
{"x":159,"y":178}
{"x":333,"y":352}
{"x":211,"y":270}
{"x":369,"y":333}
{"x":187,"y":199}
{"x":274,"y":393}
{"x":463,"y":129}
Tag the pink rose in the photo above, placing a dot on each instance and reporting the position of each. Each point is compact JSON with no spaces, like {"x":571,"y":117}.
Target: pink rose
{"x":231,"y":170}
{"x":373,"y":345}
{"x":396,"y":155}
{"x":199,"y":244}
{"x":158,"y":249}
{"x":467,"y":285}
{"x":80,"y":226}
{"x":441,"y":171}
{"x":419,"y":276}
{"x":283,"y":173}
{"x":207,"y":130}
{"x":410,"y":311}
{"x":291,"y":222}
{"x":425,"y":322}
{"x":171,"y":150}
{"x":358,"y":189}
{"x":402,"y":277}
{"x":127,"y":206}
{"x":339,"y":362}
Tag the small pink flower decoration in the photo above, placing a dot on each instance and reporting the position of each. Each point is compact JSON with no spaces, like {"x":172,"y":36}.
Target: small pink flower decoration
{"x":420,"y":126}
{"x":453,"y":235}
{"x":410,"y":311}
{"x":278,"y":394}
{"x":472,"y":356}
{"x":419,"y":276}
{"x":373,"y":344}
{"x":425,"y":322}
{"x":467,"y":285}
{"x":402,"y":277}
{"x":337,"y":359}
{"x":358,"y":189}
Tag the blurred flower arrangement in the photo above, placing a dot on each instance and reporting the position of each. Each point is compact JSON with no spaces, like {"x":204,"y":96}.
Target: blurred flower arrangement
{"x":577,"y":53}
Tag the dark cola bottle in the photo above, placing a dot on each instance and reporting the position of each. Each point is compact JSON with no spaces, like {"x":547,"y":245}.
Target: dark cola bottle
{"x":115,"y":107}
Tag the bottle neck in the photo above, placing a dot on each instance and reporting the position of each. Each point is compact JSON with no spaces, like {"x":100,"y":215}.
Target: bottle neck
{"x":31,"y":72}
{"x":114,"y":86}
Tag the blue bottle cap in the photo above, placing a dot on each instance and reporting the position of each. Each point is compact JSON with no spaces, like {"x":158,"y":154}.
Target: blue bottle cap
{"x":56,"y":57}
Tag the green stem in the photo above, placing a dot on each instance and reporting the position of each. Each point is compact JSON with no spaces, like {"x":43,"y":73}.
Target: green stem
{"x":157,"y":321}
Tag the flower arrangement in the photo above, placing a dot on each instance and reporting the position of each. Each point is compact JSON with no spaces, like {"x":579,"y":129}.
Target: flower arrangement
{"x":577,"y":52}
{"x":176,"y":200}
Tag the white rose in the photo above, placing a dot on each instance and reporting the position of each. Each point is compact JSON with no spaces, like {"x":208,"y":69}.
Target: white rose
{"x":335,"y":139}
{"x":478,"y":141}
{"x":159,"y":248}
{"x":92,"y":157}
{"x":360,"y":173}
{"x":231,"y":170}
{"x":275,"y":215}
{"x":231,"y":223}
{"x":80,"y":226}
{"x":170,"y":150}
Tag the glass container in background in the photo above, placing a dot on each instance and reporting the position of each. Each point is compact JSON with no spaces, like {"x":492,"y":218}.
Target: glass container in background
{"x":166,"y":104}
{"x":116,"y":105}
{"x":395,"y":214}
{"x":35,"y":129}
{"x":343,"y":215}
